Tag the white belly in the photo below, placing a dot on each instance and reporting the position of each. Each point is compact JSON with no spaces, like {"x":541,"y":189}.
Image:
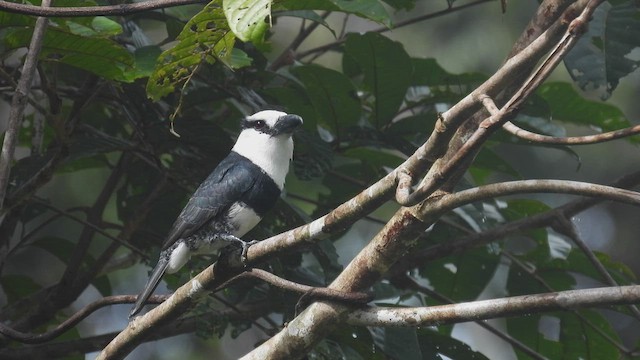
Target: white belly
{"x":243,"y":219}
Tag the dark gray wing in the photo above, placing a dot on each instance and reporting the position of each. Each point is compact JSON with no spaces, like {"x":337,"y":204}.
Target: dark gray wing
{"x":224,"y":186}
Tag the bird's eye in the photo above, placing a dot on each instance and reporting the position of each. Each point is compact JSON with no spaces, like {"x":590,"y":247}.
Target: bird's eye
{"x":259,"y":124}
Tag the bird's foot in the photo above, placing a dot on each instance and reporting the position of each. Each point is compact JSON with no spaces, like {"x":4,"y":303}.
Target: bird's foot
{"x":245,"y":248}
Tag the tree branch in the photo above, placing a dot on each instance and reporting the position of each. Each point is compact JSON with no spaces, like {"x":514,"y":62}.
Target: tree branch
{"x":444,"y":203}
{"x":398,"y":236}
{"x":404,"y":281}
{"x":488,"y":309}
{"x":74,"y":319}
{"x":95,"y":343}
{"x":19,"y":101}
{"x":513,"y":129}
{"x":121,"y":9}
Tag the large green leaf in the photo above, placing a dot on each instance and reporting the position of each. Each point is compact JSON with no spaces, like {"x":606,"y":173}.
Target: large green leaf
{"x":332,"y":95}
{"x":581,"y":341}
{"x":526,"y":330}
{"x":398,"y":343}
{"x":248,"y":19}
{"x":206,"y":38}
{"x":429,"y":72}
{"x":440,"y":344}
{"x":564,"y":335}
{"x":16,"y":287}
{"x":464,"y":276}
{"x":601,"y":57}
{"x":387,"y":72}
{"x":89,"y":51}
{"x":567,"y":105}
{"x":488,"y":162}
{"x":369,"y":9}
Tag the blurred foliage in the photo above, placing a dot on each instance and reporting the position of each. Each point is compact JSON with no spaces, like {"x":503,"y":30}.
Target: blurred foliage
{"x":98,"y":74}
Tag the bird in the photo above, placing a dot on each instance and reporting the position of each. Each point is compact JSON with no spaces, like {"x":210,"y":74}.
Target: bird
{"x":233,"y":198}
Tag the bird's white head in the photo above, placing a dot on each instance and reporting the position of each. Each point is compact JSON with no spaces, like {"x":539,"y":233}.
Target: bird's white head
{"x":266,"y":141}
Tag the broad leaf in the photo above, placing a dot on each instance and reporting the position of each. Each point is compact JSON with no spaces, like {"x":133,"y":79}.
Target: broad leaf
{"x":434,"y":344}
{"x":387,"y":72}
{"x":398,"y":343}
{"x":567,"y":105}
{"x":602,"y":55}
{"x":16,"y":287}
{"x":369,"y":9}
{"x":248,"y":19}
{"x":332,"y":95}
{"x":206,"y":38}
{"x":98,"y":55}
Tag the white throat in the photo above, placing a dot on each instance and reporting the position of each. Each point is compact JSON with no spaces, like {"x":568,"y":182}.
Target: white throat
{"x":272,"y":154}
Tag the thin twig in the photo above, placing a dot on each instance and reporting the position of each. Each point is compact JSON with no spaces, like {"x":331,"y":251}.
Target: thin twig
{"x":515,"y":130}
{"x":73,"y":320}
{"x":122,"y":9}
{"x":92,"y":226}
{"x":316,"y":292}
{"x":396,"y":26}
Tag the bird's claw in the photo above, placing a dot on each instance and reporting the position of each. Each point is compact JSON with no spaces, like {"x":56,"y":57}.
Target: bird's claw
{"x":245,"y":248}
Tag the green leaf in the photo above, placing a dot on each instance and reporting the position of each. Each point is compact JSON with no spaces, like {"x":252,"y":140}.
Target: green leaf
{"x":376,"y":159}
{"x":601,"y":56}
{"x":17,"y":287}
{"x":462,"y":277}
{"x":581,"y":341}
{"x":368,"y":9}
{"x":401,"y":4}
{"x":398,"y":343}
{"x":103,"y":285}
{"x":525,"y":329}
{"x":98,"y":55}
{"x":428,"y":72}
{"x":145,"y":59}
{"x":488,"y":159}
{"x":387,"y":72}
{"x":58,"y":247}
{"x":332,"y":95}
{"x":105,"y":26}
{"x":567,"y":105}
{"x":248,"y":19}
{"x":238,"y":59}
{"x":206,"y":38}
{"x":313,"y":156}
{"x":309,"y":15}
{"x":356,"y":342}
{"x":433,"y":344}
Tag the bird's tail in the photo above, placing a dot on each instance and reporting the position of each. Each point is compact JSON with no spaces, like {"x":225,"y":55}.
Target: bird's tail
{"x":151,"y":285}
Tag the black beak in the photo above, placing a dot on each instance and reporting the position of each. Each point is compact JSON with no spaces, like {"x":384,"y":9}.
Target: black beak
{"x":287,"y":124}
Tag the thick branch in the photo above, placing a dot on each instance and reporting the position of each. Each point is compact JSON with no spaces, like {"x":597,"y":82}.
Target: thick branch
{"x":488,"y":309}
{"x":397,"y":237}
